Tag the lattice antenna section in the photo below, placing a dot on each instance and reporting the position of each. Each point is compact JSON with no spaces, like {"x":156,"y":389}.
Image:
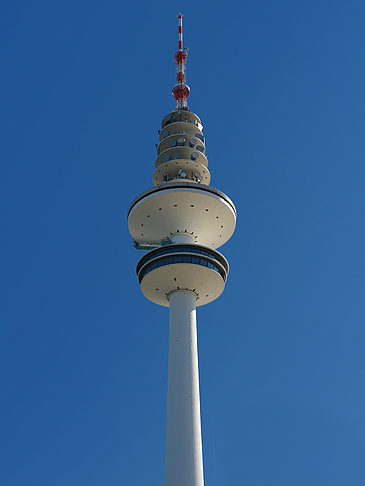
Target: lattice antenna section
{"x":181,"y":90}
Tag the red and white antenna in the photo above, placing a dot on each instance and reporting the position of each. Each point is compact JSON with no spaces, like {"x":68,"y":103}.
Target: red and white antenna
{"x":181,"y":90}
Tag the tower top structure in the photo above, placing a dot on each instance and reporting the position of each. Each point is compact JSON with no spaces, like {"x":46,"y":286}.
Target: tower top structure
{"x":181,"y":90}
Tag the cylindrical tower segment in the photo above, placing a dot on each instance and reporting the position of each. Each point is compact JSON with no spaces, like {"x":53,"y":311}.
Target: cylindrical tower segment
{"x":181,"y":151}
{"x":184,"y":457}
{"x":181,"y":115}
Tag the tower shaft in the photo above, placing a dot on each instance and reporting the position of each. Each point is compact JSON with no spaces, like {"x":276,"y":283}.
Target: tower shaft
{"x":184,"y":458}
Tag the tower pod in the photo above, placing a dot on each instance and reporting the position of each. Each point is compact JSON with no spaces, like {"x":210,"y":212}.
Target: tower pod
{"x":182,"y":207}
{"x":182,"y":267}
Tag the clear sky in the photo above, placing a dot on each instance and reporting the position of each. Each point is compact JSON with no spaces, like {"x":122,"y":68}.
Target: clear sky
{"x":279,"y":87}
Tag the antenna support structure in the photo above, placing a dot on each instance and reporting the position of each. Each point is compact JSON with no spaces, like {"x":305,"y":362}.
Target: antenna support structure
{"x":181,"y":221}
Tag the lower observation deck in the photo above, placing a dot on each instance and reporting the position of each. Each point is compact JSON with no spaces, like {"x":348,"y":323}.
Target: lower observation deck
{"x":182,"y":267}
{"x":204,"y":212}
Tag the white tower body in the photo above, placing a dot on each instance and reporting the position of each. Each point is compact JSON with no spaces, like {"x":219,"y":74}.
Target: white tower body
{"x":182,"y":221}
{"x":184,"y":456}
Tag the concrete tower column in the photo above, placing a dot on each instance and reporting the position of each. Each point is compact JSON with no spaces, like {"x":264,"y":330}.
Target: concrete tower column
{"x":184,"y":457}
{"x":182,"y":238}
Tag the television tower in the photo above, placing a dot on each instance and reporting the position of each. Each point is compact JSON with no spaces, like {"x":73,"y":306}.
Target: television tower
{"x":182,"y":221}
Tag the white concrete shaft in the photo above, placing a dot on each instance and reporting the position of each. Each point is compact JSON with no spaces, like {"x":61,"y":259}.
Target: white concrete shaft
{"x":182,"y":238}
{"x":184,"y":457}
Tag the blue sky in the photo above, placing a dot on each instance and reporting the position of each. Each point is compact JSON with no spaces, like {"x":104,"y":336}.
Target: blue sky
{"x":279,"y":87}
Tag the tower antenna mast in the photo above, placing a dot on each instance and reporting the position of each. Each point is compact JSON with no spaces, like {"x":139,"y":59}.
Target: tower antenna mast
{"x":181,"y":90}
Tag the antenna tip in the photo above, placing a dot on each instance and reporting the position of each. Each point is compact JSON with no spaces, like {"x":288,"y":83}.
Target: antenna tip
{"x":180,"y":16}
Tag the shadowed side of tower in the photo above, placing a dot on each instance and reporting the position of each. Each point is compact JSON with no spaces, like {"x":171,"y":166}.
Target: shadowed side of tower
{"x":182,"y":221}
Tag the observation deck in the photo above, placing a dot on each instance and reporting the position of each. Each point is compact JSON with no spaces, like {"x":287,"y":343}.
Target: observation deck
{"x":182,"y":267}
